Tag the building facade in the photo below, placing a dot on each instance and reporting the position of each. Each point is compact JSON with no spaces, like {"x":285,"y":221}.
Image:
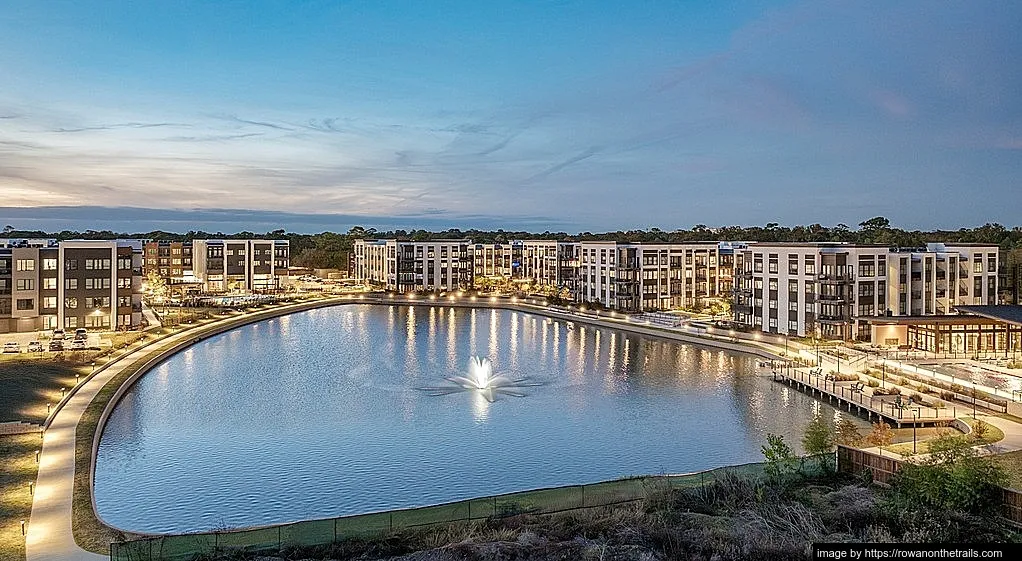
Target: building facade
{"x":832,"y":290}
{"x":240,"y":265}
{"x":95,"y":284}
{"x":408,"y":266}
{"x":645,"y":276}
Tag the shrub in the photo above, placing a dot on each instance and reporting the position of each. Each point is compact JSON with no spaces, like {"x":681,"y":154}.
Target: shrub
{"x":879,"y":391}
{"x":894,"y":391}
{"x":952,"y":478}
{"x":780,"y":460}
{"x":873,"y":383}
{"x":947,"y":396}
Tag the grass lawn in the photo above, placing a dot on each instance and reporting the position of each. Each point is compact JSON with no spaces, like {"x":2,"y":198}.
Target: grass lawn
{"x":28,"y":384}
{"x":993,"y":434}
{"x":17,"y":469}
{"x":1012,"y":464}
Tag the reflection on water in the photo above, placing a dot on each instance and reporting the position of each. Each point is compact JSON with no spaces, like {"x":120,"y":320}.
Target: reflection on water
{"x":316,"y":415}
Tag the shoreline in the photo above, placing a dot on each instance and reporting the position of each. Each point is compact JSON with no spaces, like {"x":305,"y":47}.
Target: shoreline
{"x":140,"y":362}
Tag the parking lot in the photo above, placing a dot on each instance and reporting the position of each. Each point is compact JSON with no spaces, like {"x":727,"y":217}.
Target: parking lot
{"x":94,"y":340}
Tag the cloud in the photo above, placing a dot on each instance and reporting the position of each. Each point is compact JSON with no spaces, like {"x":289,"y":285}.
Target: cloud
{"x":581,"y":156}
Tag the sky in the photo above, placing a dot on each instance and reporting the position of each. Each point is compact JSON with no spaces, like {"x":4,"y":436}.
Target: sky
{"x":317,"y":115}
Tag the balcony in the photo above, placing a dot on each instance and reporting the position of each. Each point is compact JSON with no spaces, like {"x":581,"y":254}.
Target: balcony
{"x":835,"y":278}
{"x":831,"y":319}
{"x":831,"y":298}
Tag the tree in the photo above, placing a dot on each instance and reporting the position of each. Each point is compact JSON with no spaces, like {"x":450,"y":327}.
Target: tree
{"x":845,"y":432}
{"x":780,"y":460}
{"x":881,"y":436}
{"x":156,"y":286}
{"x":818,"y":440}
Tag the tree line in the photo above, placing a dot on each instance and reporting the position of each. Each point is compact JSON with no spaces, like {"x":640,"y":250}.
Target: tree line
{"x":332,"y":250}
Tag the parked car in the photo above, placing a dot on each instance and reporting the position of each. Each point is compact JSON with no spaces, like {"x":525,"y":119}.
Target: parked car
{"x":78,"y":345}
{"x":35,"y":347}
{"x":57,"y":345}
{"x":58,"y":335}
{"x":12,"y":347}
{"x":81,"y":334}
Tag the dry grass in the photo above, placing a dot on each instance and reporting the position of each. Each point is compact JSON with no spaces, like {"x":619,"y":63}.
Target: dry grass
{"x":16,"y":471}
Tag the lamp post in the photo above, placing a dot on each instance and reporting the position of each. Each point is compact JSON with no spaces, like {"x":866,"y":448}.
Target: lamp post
{"x":914,"y":414}
{"x":22,"y":527}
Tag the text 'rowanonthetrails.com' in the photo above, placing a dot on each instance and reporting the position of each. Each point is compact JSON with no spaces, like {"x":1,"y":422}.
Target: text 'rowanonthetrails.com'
{"x":915,"y":551}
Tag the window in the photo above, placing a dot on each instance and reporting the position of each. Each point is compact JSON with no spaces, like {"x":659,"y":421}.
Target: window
{"x":101,"y":320}
{"x":50,"y":302}
{"x":97,"y":264}
{"x":793,"y":286}
{"x":773,"y":322}
{"x":70,"y":322}
{"x":49,"y":264}
{"x":977,"y":267}
{"x":758,"y":284}
{"x":773,"y":284}
{"x":24,"y":304}
{"x":793,"y":326}
{"x":793,"y":306}
{"x":97,"y":284}
{"x":70,"y":302}
{"x":773,"y":304}
{"x":124,"y":282}
{"x":50,"y":283}
{"x":24,"y":284}
{"x":25,"y":265}
{"x":810,"y":266}
{"x":97,"y":302}
{"x":867,"y":270}
{"x":70,"y":284}
{"x":124,"y":263}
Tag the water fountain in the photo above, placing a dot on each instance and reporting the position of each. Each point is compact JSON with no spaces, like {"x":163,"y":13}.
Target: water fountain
{"x":482,"y":379}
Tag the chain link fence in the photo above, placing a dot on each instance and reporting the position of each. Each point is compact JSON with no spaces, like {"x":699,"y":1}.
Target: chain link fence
{"x":272,"y":539}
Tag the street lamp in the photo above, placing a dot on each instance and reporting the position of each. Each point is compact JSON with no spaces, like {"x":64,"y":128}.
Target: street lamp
{"x":914,"y":414}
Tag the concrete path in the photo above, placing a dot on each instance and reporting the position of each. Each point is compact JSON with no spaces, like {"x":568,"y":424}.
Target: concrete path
{"x":49,"y":536}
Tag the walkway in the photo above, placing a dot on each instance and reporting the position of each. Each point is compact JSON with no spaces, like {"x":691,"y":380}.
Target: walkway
{"x":50,"y":537}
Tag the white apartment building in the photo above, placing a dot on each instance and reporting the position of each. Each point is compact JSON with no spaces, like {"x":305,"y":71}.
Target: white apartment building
{"x":409,"y":265}
{"x":497,"y":260}
{"x":240,"y":265}
{"x":649,"y":276}
{"x":831,"y":290}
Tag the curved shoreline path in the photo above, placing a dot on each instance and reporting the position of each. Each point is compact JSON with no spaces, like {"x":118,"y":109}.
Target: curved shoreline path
{"x":49,"y":535}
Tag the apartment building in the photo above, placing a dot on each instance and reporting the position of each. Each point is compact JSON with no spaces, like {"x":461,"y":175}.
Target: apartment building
{"x":832,"y":290}
{"x":46,"y":284}
{"x":649,"y":276}
{"x":240,"y":265}
{"x":551,"y":263}
{"x":410,"y":265}
{"x":1009,"y":280}
{"x":170,"y":260}
{"x":497,"y":260}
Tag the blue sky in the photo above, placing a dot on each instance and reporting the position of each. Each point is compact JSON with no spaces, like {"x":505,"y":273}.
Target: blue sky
{"x":561,"y":115}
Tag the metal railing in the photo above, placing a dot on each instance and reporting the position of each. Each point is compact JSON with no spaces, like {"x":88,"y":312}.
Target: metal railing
{"x":273,"y":539}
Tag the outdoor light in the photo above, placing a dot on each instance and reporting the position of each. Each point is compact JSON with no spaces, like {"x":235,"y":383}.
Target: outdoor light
{"x":37,"y":456}
{"x":77,"y":377}
{"x":31,"y":488}
{"x":23,"y":527}
{"x":62,"y":391}
{"x":93,"y":367}
{"x":48,"y":406}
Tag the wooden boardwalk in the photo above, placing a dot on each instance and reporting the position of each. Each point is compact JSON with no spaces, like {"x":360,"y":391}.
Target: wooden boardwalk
{"x":846,"y":396}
